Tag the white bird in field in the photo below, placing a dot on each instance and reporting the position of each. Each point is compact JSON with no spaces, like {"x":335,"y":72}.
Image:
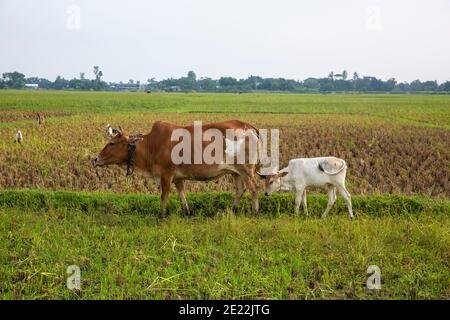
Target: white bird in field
{"x":18,"y":137}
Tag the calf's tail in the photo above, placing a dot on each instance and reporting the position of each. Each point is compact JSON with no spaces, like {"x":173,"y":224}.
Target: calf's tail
{"x":343,"y":166}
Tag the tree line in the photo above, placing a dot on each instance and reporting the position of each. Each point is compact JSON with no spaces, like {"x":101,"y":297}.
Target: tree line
{"x":334,"y":82}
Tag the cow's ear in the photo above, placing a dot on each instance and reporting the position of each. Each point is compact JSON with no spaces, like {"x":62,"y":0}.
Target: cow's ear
{"x":116,"y":132}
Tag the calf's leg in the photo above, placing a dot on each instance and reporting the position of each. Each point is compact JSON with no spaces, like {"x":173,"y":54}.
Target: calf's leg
{"x":331,"y":200}
{"x":299,"y":192}
{"x":347,"y":198}
{"x":305,"y":203}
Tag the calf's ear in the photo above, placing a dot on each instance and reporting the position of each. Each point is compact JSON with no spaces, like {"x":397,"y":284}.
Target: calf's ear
{"x":262,"y":177}
{"x":282,"y":174}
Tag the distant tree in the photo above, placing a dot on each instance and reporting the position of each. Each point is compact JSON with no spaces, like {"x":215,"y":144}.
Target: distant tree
{"x":342,"y":85}
{"x":33,"y":80}
{"x":445,"y":86}
{"x":374,"y":84}
{"x":331,"y":75}
{"x":430,"y":86}
{"x":152,"y":84}
{"x":227,"y":81}
{"x":390,"y":85}
{"x":207,"y":84}
{"x":190,"y":82}
{"x":98,"y":84}
{"x":355,"y":76}
{"x":361,"y":84}
{"x":344,"y":75}
{"x":192,"y":76}
{"x":60,"y":83}
{"x":98,"y":73}
{"x":326,"y":84}
{"x":253,"y":82}
{"x":416,"y":85}
{"x":312,"y":84}
{"x":326,"y":87}
{"x":14,"y":80}
{"x":403,"y":87}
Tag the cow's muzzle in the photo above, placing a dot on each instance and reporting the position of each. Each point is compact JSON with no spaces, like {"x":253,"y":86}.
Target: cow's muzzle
{"x":96,"y":162}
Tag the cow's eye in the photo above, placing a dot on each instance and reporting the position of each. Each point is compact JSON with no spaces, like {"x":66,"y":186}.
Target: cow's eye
{"x":271,"y":182}
{"x":111,"y":144}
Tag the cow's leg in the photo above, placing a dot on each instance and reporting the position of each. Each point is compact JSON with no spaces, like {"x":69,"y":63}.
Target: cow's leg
{"x":305,"y":203}
{"x":184,"y":204}
{"x":331,"y":200}
{"x":252,"y":186}
{"x":299,"y":192}
{"x":165,"y":190}
{"x":240,"y":189}
{"x":348,"y":199}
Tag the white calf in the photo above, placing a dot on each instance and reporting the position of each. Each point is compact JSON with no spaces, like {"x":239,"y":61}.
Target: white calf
{"x":324,"y":172}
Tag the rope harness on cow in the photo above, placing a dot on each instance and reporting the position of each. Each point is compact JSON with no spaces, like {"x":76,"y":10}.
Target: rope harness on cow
{"x":130,"y":162}
{"x":133,"y":141}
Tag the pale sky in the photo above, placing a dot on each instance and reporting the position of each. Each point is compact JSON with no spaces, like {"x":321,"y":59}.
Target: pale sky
{"x":134,"y":39}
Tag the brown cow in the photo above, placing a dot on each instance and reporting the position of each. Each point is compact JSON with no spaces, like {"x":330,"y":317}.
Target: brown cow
{"x":151,"y":154}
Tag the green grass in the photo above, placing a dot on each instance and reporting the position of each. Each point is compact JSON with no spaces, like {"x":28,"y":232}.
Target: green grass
{"x":209,"y":203}
{"x":425,"y":108}
{"x":124,"y":253}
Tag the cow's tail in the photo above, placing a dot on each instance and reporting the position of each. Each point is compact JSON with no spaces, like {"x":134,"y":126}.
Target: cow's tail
{"x":260,"y":162}
{"x":256,"y":135}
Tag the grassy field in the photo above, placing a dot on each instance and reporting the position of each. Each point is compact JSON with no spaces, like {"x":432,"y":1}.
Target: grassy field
{"x":421,"y":109}
{"x":397,"y":148}
{"x":125,"y":252}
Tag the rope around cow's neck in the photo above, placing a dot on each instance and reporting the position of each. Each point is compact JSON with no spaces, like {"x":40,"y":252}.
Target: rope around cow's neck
{"x":130,"y":162}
